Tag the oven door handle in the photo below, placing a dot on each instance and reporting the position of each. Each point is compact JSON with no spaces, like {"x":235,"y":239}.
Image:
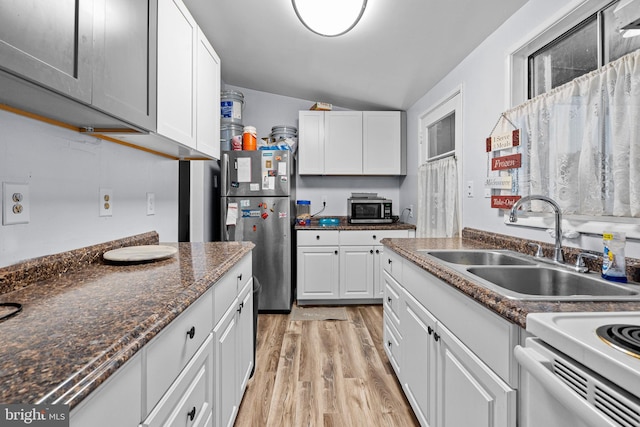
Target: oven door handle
{"x":535,"y":363}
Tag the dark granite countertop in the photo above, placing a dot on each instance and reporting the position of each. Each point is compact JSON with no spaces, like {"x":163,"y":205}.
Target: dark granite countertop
{"x":513,"y":310}
{"x":344,"y":225}
{"x":83,"y":318}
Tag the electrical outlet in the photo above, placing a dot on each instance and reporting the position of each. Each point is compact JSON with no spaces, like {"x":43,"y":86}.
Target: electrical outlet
{"x":487,"y":193}
{"x":469,"y":188}
{"x":410,"y":211}
{"x":15,"y":203}
{"x":151,"y":204}
{"x":106,"y":202}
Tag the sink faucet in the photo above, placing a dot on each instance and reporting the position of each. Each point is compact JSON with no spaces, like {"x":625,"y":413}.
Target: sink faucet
{"x":558,"y":257}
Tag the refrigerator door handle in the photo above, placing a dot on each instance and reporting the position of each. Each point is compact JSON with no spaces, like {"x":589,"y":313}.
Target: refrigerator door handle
{"x":227,"y":174}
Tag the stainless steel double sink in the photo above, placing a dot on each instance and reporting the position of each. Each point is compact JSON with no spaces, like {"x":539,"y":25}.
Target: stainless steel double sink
{"x":523,"y":277}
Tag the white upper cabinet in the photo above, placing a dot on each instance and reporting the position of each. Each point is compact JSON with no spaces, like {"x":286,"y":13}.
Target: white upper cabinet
{"x":49,"y":43}
{"x":343,"y":142}
{"x":352,"y":143}
{"x":207,"y":98}
{"x":311,"y":152}
{"x":383,"y":149}
{"x":177,"y":50}
{"x":87,"y":63}
{"x":124,"y":78}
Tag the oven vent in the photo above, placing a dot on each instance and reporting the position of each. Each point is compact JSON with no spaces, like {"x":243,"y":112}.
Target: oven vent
{"x":616,"y":406}
{"x":621,"y":407}
{"x":571,"y":377}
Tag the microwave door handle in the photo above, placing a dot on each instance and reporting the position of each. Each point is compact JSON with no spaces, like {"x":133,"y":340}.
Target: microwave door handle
{"x":534,"y":362}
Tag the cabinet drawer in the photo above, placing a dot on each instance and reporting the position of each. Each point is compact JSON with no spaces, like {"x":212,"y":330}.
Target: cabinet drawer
{"x":391,"y":343}
{"x":392,"y":264}
{"x":369,"y":237}
{"x":318,"y":238}
{"x":189,"y":400}
{"x":169,"y":352}
{"x":391,"y":302}
{"x":227,"y":288}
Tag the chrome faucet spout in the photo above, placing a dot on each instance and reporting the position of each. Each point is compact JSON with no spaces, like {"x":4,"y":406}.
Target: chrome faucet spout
{"x":513,"y":217}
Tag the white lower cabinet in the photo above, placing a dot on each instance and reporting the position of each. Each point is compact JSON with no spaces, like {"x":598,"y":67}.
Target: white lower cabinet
{"x":233,"y":355}
{"x":469,"y":393}
{"x":419,"y":359}
{"x":192,"y":374}
{"x":445,"y":382}
{"x":123,"y":390}
{"x":189,"y":400}
{"x":317,"y":274}
{"x":342,"y":265}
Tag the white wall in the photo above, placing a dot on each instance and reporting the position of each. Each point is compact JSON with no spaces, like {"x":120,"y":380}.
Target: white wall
{"x":65,"y":170}
{"x":484,"y":79}
{"x":265,"y":110}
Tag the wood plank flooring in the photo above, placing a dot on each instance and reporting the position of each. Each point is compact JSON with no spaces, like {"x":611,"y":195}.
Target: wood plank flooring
{"x":323,"y":373}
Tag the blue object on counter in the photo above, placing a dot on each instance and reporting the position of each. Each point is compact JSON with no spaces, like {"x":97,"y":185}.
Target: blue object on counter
{"x":329,"y":222}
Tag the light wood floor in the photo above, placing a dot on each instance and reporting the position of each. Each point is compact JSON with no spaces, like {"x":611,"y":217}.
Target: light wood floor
{"x":323,"y":373}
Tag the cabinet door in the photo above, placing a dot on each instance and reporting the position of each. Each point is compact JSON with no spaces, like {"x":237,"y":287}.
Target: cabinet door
{"x":343,"y":142}
{"x":469,"y":392}
{"x":378,"y":270}
{"x":318,"y":276}
{"x":311,"y":142}
{"x":245,"y":337}
{"x":122,"y":390}
{"x":356,"y":272}
{"x":225,"y":380}
{"x":177,"y":45}
{"x":419,"y":359}
{"x":49,"y":43}
{"x":382,"y":145}
{"x":208,"y":98}
{"x":124,"y":78}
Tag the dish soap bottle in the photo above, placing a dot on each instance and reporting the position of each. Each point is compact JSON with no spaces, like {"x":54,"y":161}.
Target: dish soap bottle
{"x":613,"y":263}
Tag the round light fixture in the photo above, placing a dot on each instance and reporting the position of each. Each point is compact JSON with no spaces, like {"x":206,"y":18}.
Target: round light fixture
{"x":329,"y":18}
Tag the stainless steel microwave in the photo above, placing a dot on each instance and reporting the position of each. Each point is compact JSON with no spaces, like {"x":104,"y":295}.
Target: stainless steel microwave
{"x":369,"y":211}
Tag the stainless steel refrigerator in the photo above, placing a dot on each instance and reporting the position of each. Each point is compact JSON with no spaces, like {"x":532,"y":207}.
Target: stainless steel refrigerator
{"x":258,"y":196}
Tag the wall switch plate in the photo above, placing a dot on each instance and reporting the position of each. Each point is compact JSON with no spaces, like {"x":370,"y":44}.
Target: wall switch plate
{"x":487,"y":193}
{"x":106,"y":202}
{"x":469,"y":188}
{"x":15,"y":203}
{"x":151,"y":203}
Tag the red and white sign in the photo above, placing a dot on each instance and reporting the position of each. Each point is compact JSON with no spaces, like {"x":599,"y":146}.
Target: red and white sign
{"x":506,"y":162}
{"x":506,"y":140}
{"x":503,"y":202}
{"x":499,"y":182}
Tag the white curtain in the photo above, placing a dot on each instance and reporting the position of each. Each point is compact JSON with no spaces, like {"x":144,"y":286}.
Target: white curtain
{"x":583,"y":142}
{"x":438,"y":199}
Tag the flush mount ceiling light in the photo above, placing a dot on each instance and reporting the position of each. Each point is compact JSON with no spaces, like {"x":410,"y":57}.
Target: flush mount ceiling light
{"x":329,"y":18}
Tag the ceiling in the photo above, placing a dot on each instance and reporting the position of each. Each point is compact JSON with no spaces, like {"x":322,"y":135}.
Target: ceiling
{"x":397,"y":53}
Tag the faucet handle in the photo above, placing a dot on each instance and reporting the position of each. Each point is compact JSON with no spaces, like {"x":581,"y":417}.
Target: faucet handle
{"x":538,"y":250}
{"x":580,"y":264}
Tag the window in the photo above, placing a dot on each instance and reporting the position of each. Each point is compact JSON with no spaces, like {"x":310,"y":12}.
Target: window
{"x":439,"y":174}
{"x":590,"y":44}
{"x":559,"y":54}
{"x":441,"y":137}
